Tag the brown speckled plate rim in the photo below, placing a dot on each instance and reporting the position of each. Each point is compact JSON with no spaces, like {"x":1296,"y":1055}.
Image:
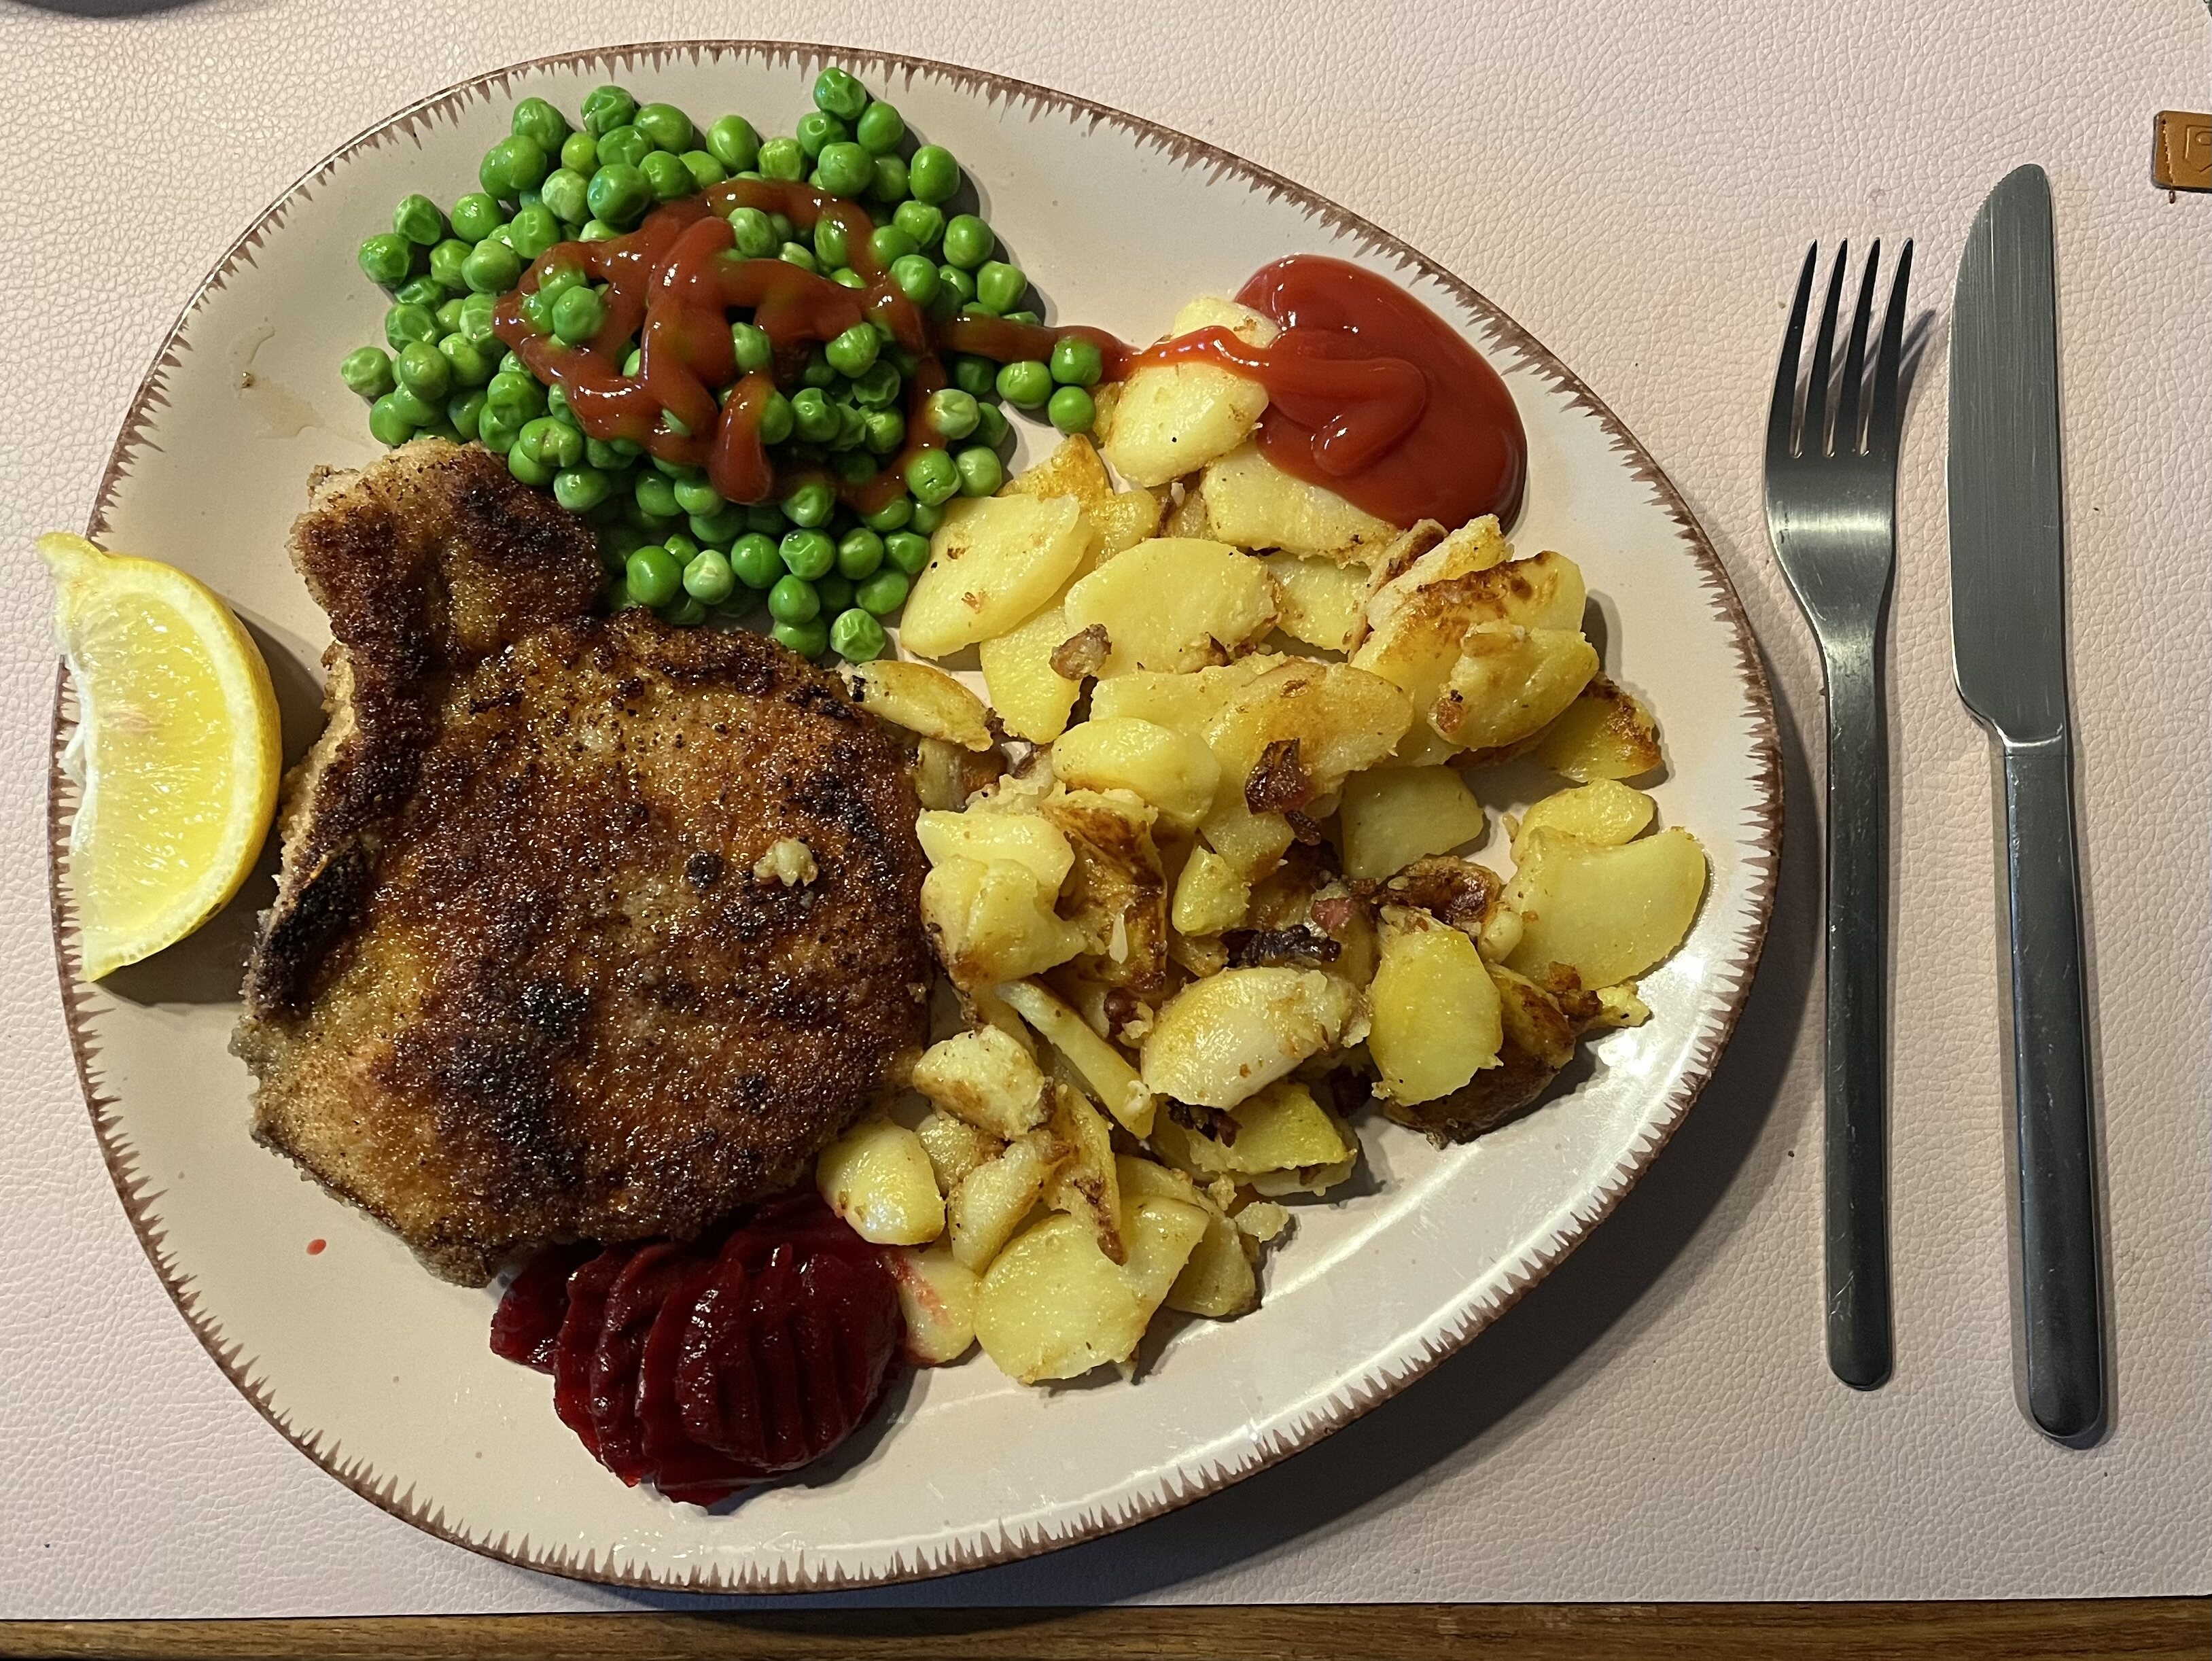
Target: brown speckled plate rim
{"x":1760,"y":836}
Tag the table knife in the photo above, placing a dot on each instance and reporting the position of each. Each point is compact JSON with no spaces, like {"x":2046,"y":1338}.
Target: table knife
{"x":2008,"y":647}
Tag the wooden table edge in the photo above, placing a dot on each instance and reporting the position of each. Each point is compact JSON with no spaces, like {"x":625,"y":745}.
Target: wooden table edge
{"x":2089,"y":1629}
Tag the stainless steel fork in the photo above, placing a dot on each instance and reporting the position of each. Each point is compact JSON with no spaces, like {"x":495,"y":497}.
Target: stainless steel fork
{"x":1831,"y":513}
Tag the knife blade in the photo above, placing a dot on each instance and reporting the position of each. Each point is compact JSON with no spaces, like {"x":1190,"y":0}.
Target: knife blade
{"x":2008,"y":649}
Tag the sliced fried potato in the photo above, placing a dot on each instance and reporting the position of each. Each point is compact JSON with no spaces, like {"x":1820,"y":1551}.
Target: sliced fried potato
{"x":955,"y":1147}
{"x":1174,"y":771}
{"x":879,"y":1178}
{"x":1605,"y":733}
{"x":1435,"y":1022}
{"x":1475,"y":546}
{"x":1171,"y":419}
{"x":994,"y":563}
{"x":922,"y":698}
{"x":1174,"y":604}
{"x":1210,"y":896}
{"x":1510,"y":683}
{"x":1253,"y":504}
{"x":1033,"y":699}
{"x":987,"y":1078}
{"x":1393,"y":816}
{"x":992,"y":1200}
{"x":1605,"y":811}
{"x":1117,"y":893}
{"x":1088,"y":1185}
{"x":1055,"y":1306}
{"x":1124,"y":519}
{"x":1602,"y":915}
{"x":1073,"y":469}
{"x":993,"y":922}
{"x":1319,"y":601}
{"x":1027,"y":839}
{"x":936,"y":1295}
{"x":1342,"y":719}
{"x":1223,"y":1039}
{"x":1536,"y":1041}
{"x":1186,"y":702}
{"x":1105,"y":1070}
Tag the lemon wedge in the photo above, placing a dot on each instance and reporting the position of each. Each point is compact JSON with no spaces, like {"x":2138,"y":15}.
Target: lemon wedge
{"x":176,"y":751}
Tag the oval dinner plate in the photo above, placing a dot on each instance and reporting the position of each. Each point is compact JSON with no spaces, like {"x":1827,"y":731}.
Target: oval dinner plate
{"x":382,"y":1373}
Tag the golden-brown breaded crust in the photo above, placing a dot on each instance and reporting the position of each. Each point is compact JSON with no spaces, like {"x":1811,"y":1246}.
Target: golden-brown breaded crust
{"x":560,"y":1002}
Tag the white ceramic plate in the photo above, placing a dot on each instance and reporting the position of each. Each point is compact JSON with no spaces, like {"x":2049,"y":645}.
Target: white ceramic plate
{"x":382,"y":1373}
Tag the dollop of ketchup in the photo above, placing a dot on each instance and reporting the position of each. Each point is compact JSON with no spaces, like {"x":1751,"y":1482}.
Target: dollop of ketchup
{"x":1371,"y":394}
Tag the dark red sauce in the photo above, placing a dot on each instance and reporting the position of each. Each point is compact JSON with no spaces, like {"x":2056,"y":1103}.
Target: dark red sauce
{"x":316,"y":1247}
{"x":1370,"y":392}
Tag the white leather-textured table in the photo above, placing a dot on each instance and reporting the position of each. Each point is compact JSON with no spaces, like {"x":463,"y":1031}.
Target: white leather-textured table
{"x":1635,"y":183}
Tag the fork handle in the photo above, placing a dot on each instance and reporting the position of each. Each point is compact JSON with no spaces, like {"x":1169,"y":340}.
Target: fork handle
{"x":1858,"y":1140}
{"x":2059,"y":1281}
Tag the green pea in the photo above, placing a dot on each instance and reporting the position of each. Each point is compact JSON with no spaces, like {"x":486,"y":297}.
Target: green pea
{"x":616,"y":596}
{"x":932,"y":477}
{"x":708,"y":579}
{"x":618,"y":193}
{"x":536,"y":119}
{"x":812,"y":415}
{"x":916,"y":278}
{"x":794,"y":600}
{"x":606,"y":108}
{"x":366,"y":370}
{"x":859,"y":553}
{"x":465,"y":410}
{"x":846,"y":277}
{"x":496,"y":429}
{"x":558,"y":279}
{"x":857,"y":636}
{"x":655,"y":494}
{"x":969,"y":242}
{"x":811,"y":503}
{"x":624,"y":147}
{"x":424,"y":290}
{"x":755,"y":562}
{"x":846,"y":169}
{"x":973,"y":375}
{"x":732,"y":142}
{"x":668,"y":127}
{"x":877,"y":387}
{"x":470,"y":365}
{"x":633,"y":362}
{"x":1000,"y":286}
{"x":491,"y":268}
{"x":991,"y":426}
{"x":532,"y":231}
{"x":798,"y":254}
{"x":578,"y":316}
{"x":693,"y":494}
{"x":782,"y":158}
{"x":1025,"y":385}
{"x":1071,"y":410}
{"x":580,"y":153}
{"x":953,"y":413}
{"x":852,"y":427}
{"x":754,"y":236}
{"x":839,"y":92}
{"x":387,"y":259}
{"x":776,"y":420}
{"x":417,"y":219}
{"x":754,"y":350}
{"x":907,"y":552}
{"x":935,"y":174}
{"x":815,"y":131}
{"x":723,"y":525}
{"x":567,"y":193}
{"x":892,"y":516}
{"x":878,"y":126}
{"x":703,"y":168}
{"x":890,"y":183}
{"x":518,"y":394}
{"x":1075,"y":362}
{"x":667,"y":175}
{"x":513,"y":165}
{"x":853,"y":352}
{"x":552,"y":442}
{"x":655,"y":577}
{"x":388,"y":422}
{"x":446,"y":260}
{"x":597,"y":230}
{"x":407,"y":322}
{"x":685,"y":613}
{"x":981,"y":473}
{"x":607,"y":457}
{"x":1023,"y":316}
{"x":476,"y":216}
{"x":854,"y":466}
{"x":809,"y":639}
{"x":527,"y":467}
{"x":921,"y":221}
{"x":831,"y":243}
{"x":836,"y":593}
{"x":956,"y":285}
{"x":927,"y":516}
{"x":580,"y":489}
{"x":883,"y":593}
{"x":889,"y":245}
{"x":808,"y":553}
{"x":479,"y":318}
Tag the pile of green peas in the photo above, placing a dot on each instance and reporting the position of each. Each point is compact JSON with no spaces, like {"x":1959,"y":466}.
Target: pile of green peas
{"x":828,"y":576}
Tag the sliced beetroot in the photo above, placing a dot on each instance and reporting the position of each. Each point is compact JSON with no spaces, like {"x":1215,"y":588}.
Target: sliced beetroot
{"x":579,"y":1341}
{"x":682,"y":1468}
{"x":526,"y":1326}
{"x":633,"y":1303}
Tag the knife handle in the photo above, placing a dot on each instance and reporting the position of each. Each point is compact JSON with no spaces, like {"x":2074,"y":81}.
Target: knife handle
{"x":2060,"y":1289}
{"x":1858,"y":1140}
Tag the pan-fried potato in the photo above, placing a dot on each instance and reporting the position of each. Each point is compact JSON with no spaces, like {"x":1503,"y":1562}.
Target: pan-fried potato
{"x":1510,"y":683}
{"x":1104,"y":1070}
{"x":1188,"y":703}
{"x":923,"y":699}
{"x":1603,"y":915}
{"x":1073,"y":469}
{"x":937,"y":1294}
{"x":1055,"y":1306}
{"x":1319,"y":601}
{"x":1605,"y":811}
{"x":1475,"y":546}
{"x":1027,"y":839}
{"x":1210,"y":897}
{"x":1218,"y":1280}
{"x":1088,"y":1185}
{"x":1342,"y":719}
{"x":987,"y":1078}
{"x":1033,"y":699}
{"x":994,"y":562}
{"x":1117,"y":893}
{"x":955,"y":1147}
{"x":1124,"y":519}
{"x":989,"y":1205}
{"x":993,"y":922}
{"x":1536,"y":1041}
{"x":1605,"y":733}
{"x":1436,"y":1018}
{"x":1175,"y":772}
{"x":1282,"y":1128}
{"x":879,"y":1178}
{"x":945,"y":775}
{"x":1396,"y":815}
{"x":1619,"y":1006}
{"x":1171,"y":419}
{"x":1173,"y":605}
{"x":1256,"y":504}
{"x":1224,"y":1038}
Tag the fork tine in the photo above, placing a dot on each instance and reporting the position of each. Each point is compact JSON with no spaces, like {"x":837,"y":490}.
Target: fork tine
{"x":1848,"y":431}
{"x":1881,"y":431}
{"x":1781,"y":414}
{"x":1815,"y":441}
